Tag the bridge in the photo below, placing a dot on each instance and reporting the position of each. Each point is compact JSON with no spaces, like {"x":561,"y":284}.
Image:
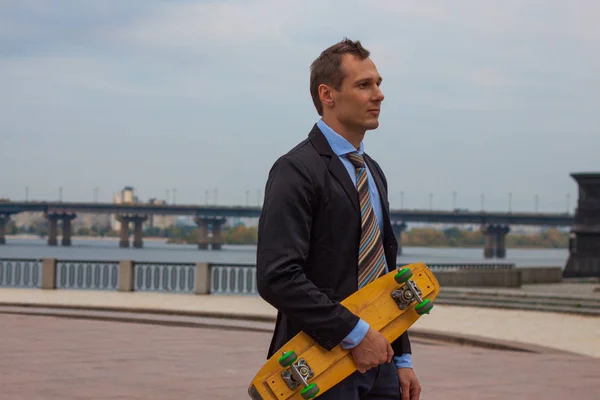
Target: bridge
{"x":209,"y":219}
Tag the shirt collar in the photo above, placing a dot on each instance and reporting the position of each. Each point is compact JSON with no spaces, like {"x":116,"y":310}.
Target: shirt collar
{"x":338,"y":143}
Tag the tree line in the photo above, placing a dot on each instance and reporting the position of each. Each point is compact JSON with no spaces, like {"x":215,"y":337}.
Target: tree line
{"x":456,"y":237}
{"x":415,"y":237}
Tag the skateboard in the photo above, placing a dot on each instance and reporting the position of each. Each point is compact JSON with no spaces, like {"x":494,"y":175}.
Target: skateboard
{"x":302,"y":369}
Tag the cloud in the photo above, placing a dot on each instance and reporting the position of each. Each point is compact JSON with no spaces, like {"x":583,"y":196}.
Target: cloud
{"x":196,"y":25}
{"x":489,"y":77}
{"x":465,"y":81}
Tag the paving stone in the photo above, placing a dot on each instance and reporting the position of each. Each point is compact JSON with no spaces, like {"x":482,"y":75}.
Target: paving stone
{"x":54,"y":358}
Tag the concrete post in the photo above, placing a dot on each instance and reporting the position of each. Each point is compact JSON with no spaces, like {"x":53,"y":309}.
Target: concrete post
{"x":501,"y":232}
{"x":398,"y":227}
{"x":584,"y":246}
{"x":126,"y":275}
{"x":202,"y":278}
{"x":52,"y":229}
{"x":137,"y":232}
{"x":67,"y":228}
{"x":3,"y":221}
{"x":124,"y":232}
{"x":202,"y":233}
{"x":48,"y":273}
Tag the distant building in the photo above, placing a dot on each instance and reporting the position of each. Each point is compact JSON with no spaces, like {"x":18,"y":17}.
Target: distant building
{"x":89,"y":220}
{"x":160,"y":221}
{"x":125,"y":196}
{"x":27,"y":219}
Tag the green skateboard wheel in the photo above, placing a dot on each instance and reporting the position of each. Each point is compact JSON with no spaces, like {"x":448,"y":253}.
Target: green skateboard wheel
{"x":287,"y":358}
{"x":403,"y":275}
{"x":310,"y":391}
{"x":424,"y":307}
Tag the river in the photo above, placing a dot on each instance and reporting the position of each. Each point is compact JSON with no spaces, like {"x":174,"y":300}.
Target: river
{"x":159,"y":251}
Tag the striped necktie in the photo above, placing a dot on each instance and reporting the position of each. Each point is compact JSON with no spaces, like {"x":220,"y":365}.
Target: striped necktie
{"x":371,"y":258}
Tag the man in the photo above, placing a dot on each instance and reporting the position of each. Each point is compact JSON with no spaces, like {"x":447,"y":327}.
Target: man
{"x":316,"y":247}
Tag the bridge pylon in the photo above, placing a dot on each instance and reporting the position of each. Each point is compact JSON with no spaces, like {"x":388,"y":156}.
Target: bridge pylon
{"x":4,"y":218}
{"x":398,"y":227}
{"x":206,"y":225}
{"x":66,"y":227}
{"x":494,"y":240}
{"x":138,"y":237}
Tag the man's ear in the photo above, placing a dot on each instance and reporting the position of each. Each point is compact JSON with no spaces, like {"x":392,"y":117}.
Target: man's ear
{"x":327,"y":95}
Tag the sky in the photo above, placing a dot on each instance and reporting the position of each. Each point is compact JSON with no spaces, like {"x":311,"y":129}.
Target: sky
{"x":197,"y":97}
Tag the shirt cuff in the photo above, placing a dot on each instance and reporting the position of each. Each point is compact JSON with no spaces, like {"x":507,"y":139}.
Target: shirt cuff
{"x":357,"y":334}
{"x":403,"y":361}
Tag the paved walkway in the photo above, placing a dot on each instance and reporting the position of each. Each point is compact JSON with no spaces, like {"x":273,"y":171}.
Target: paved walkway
{"x":561,"y":332}
{"x":567,"y":289}
{"x":49,"y":358}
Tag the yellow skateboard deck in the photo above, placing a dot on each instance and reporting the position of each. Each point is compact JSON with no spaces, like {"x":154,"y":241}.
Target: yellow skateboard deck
{"x":302,"y":369}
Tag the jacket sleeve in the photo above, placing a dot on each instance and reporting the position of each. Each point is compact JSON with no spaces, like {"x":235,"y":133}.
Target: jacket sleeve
{"x":283,"y":247}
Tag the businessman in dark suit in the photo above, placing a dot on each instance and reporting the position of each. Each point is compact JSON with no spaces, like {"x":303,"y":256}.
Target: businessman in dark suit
{"x":325,"y":231}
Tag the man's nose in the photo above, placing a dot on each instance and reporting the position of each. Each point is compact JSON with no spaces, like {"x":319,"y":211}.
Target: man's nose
{"x":378,"y":94}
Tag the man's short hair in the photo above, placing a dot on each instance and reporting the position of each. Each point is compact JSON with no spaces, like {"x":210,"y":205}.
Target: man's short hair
{"x":326,"y":69}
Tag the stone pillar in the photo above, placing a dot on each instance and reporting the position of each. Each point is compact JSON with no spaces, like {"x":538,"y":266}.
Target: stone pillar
{"x":398,"y":227}
{"x":584,"y":248}
{"x":48,"y":273}
{"x":489,"y":235}
{"x":217,"y":241}
{"x":501,"y":232}
{"x":4,"y":218}
{"x":52,"y":229}
{"x":124,"y":232}
{"x":66,"y":228}
{"x":202,"y":233}
{"x":202,"y":278}
{"x":138,"y":220}
{"x":126,"y":275}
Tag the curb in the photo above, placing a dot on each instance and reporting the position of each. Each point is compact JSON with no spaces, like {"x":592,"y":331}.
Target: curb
{"x":169,"y":317}
{"x":155,"y":311}
{"x":159,"y":319}
{"x":486,"y":343}
{"x":523,"y":306}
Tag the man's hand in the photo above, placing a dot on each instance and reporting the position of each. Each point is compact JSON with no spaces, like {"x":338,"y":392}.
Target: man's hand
{"x":409,"y":384}
{"x":372,"y":351}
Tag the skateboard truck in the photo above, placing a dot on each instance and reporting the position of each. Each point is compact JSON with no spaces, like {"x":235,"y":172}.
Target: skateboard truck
{"x":410,"y":292}
{"x":298,"y":373}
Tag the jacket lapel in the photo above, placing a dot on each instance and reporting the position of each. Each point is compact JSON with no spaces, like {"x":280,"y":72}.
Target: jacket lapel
{"x":380,"y":186}
{"x":334,"y":165}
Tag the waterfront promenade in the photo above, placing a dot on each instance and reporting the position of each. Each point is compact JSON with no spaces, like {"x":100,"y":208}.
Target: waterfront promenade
{"x":114,"y":345}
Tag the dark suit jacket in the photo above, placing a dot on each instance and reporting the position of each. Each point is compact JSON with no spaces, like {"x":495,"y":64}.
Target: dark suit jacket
{"x":308,"y":241}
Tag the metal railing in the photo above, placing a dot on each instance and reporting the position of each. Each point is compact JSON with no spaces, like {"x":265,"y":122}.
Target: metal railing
{"x":20,"y":273}
{"x":238,"y":279}
{"x":83,"y":274}
{"x":227,"y":279}
{"x":165,"y":277}
{"x":466,"y":266}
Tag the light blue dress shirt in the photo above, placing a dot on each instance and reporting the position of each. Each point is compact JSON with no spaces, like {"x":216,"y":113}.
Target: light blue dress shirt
{"x":341,"y":147}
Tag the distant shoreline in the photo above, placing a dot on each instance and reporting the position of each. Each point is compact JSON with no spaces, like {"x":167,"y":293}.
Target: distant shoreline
{"x":106,"y":238}
{"x":174,"y":243}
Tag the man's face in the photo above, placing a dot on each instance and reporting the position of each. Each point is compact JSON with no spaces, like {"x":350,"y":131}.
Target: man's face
{"x":358,"y":102}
